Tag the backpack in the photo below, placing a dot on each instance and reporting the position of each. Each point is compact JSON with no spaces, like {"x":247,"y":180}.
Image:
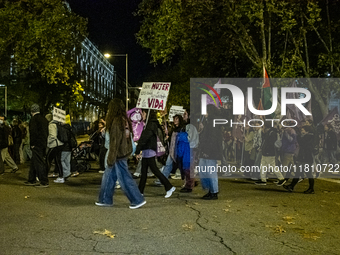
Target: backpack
{"x":62,"y":133}
{"x":72,"y":139}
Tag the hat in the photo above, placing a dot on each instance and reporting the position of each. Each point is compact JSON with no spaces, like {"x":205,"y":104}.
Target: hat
{"x":35,"y":108}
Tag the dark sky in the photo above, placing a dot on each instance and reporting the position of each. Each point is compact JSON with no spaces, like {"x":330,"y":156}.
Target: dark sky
{"x":112,"y":28}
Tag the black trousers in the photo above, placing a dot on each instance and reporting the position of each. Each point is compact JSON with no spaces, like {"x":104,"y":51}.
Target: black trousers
{"x":16,"y":154}
{"x":55,"y":153}
{"x":302,"y":174}
{"x":38,"y":166}
{"x":151,"y":162}
{"x":102,"y":154}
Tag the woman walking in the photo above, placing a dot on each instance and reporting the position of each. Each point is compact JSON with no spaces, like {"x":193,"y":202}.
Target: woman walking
{"x":118,"y":128}
{"x":148,"y":145}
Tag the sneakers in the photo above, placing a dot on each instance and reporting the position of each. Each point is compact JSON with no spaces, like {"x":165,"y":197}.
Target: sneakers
{"x":101,"y":171}
{"x":169,"y":192}
{"x":52,"y":175}
{"x":176,"y":177}
{"x":74,"y":174}
{"x":309,"y":191}
{"x":103,"y":205}
{"x":185,"y":190}
{"x":59,"y":180}
{"x":14,"y":170}
{"x":210,"y":196}
{"x":281,"y":182}
{"x":260,"y":183}
{"x":288,"y":188}
{"x":31,"y":183}
{"x":42,"y":186}
{"x":137,"y":206}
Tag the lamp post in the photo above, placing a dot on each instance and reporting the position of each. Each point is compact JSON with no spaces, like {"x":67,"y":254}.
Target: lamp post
{"x":107,"y":55}
{"x":5,"y":87}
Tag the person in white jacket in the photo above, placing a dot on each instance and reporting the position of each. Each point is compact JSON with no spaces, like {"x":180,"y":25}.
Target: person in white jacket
{"x":55,"y":148}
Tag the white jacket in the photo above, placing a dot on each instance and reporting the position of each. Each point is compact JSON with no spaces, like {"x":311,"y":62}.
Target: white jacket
{"x":52,"y":140}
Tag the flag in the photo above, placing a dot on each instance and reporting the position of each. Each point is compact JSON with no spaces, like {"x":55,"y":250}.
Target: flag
{"x":260,"y":106}
{"x":333,"y":119}
{"x":266,"y":91}
{"x":135,"y":116}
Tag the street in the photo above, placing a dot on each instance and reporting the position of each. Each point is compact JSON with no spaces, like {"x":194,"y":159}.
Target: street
{"x":246,"y":219}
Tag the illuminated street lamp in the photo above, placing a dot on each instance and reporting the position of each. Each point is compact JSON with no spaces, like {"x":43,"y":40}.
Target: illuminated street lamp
{"x":107,"y":55}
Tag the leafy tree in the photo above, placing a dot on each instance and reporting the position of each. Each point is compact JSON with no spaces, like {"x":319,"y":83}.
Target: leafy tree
{"x":40,"y":36}
{"x":289,"y":38}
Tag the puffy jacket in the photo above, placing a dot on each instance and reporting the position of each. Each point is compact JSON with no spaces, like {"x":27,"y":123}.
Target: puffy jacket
{"x":53,"y":140}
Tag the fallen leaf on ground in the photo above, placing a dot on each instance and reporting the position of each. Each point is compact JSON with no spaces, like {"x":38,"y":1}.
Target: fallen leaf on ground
{"x":226,"y":210}
{"x":280,"y":230}
{"x":313,"y":236}
{"x":196,"y":203}
{"x":288,"y":218}
{"x":229,"y":201}
{"x":187,"y":227}
{"x":105,"y":233}
{"x":290,"y":223}
{"x":27,"y":196}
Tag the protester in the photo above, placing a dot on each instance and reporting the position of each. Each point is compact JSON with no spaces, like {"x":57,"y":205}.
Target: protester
{"x":257,"y":142}
{"x":330,"y":144}
{"x":304,"y":160}
{"x":118,"y":131}
{"x":269,"y":137}
{"x":210,"y":151}
{"x":17,"y":140}
{"x":249,"y":152}
{"x":5,"y":132}
{"x":26,"y":148}
{"x":55,"y":148}
{"x":38,"y":129}
{"x":289,"y":146}
{"x":101,"y":141}
{"x":193,"y":139}
{"x":148,"y":145}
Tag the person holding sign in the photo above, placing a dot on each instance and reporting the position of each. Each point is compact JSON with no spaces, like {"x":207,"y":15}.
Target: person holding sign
{"x":148,"y":145}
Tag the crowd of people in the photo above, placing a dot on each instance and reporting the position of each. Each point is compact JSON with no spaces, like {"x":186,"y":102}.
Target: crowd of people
{"x":162,"y":149}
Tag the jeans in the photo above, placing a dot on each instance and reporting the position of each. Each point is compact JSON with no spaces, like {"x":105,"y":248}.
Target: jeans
{"x":168,"y":167}
{"x":209,"y":180}
{"x":121,"y":172}
{"x":268,"y":164}
{"x":66,"y":163}
{"x":38,"y":166}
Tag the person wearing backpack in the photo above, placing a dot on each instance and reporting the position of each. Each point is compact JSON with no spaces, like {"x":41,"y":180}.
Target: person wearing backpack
{"x":66,"y":152}
{"x":55,"y":147}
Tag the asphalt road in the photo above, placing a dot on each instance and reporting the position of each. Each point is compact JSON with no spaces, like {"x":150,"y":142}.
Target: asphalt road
{"x":246,"y":219}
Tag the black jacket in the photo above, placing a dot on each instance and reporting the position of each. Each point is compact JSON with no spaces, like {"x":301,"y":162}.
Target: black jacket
{"x":4,"y":133}
{"x":38,"y":131}
{"x":268,"y":142}
{"x":306,"y":144}
{"x":331,"y":142}
{"x":148,"y":138}
{"x":210,"y":145}
{"x":16,"y":134}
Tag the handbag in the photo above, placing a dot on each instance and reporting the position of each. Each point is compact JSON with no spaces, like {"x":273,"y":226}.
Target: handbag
{"x":160,"y":148}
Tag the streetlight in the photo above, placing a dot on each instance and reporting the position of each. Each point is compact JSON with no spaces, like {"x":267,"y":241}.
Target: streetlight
{"x":107,"y":55}
{"x":5,"y":87}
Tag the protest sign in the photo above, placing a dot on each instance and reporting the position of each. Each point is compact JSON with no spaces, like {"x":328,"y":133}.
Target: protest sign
{"x":135,"y":116}
{"x":175,"y":110}
{"x":59,"y":115}
{"x":153,"y":95}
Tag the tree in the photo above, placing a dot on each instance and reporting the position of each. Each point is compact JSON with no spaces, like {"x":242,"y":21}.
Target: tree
{"x":40,"y":36}
{"x":290,"y":38}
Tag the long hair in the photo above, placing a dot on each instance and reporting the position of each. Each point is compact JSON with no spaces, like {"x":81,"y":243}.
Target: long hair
{"x":116,"y":112}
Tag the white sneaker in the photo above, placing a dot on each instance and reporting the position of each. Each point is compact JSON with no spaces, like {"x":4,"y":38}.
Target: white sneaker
{"x":137,"y":206}
{"x":157,"y":182}
{"x":59,"y":180}
{"x":103,"y":205}
{"x":169,"y":192}
{"x":117,"y":185}
{"x":101,"y":171}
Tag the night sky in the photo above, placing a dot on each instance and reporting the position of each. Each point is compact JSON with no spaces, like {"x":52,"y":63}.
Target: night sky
{"x":112,"y":28}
